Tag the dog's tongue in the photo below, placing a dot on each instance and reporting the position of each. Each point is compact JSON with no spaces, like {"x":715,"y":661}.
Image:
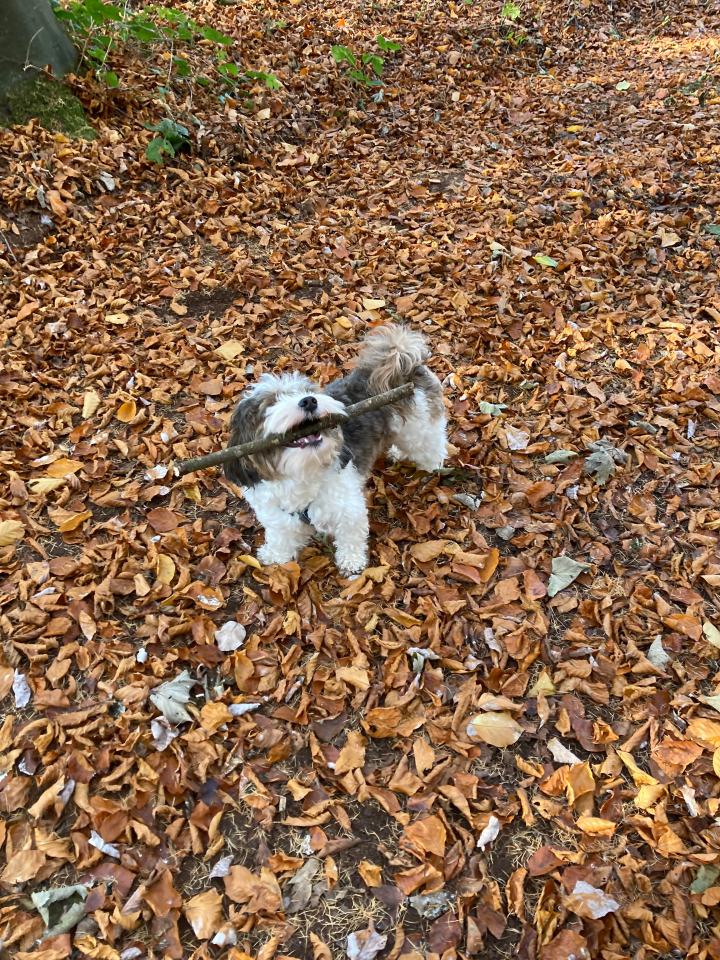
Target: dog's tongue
{"x":308,"y":441}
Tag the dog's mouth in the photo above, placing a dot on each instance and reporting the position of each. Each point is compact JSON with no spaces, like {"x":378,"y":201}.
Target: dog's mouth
{"x":312,"y":440}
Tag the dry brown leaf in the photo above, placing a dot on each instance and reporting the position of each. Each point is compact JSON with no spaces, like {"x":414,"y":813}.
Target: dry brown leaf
{"x":22,"y":866}
{"x":352,"y":754}
{"x":427,"y":835}
{"x":371,"y":873}
{"x":126,"y":412}
{"x":499,"y":729}
{"x":204,"y":913}
{"x":10,"y":532}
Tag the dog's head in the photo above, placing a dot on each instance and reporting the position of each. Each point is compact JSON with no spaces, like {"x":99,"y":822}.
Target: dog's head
{"x":276,"y":404}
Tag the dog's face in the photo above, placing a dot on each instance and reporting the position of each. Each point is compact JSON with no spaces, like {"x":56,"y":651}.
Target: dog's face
{"x":276,"y":404}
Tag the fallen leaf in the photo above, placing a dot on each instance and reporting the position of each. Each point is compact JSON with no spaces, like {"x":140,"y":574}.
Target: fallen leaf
{"x":162,"y":520}
{"x":370,"y":872}
{"x":165,"y":569}
{"x":22,"y":866}
{"x":352,"y":754}
{"x":126,"y":412}
{"x":565,"y":571}
{"x":230,"y":350}
{"x":544,"y":260}
{"x":63,"y":468}
{"x":299,"y":888}
{"x":170,"y":698}
{"x":161,"y":895}
{"x":70,"y":912}
{"x":427,"y":835}
{"x":91,"y":402}
{"x":497,"y":729}
{"x":204,"y":913}
{"x":590,"y":902}
{"x":365,"y":944}
{"x":10,"y":532}
{"x":231,"y":636}
{"x":516,"y":439}
{"x":489,"y":833}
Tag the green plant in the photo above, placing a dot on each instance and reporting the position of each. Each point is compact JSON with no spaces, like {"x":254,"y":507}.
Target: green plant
{"x":510,"y":14}
{"x":510,"y":11}
{"x":172,"y":137}
{"x":366,"y":69}
{"x":100,"y":27}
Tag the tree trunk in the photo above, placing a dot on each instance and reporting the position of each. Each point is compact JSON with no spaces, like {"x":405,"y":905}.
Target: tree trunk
{"x":31,"y":38}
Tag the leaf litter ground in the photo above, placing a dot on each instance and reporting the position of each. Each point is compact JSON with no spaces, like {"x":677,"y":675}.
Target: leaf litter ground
{"x":454,"y":754}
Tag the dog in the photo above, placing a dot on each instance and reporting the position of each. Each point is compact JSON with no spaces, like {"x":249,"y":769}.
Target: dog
{"x":316,"y":484}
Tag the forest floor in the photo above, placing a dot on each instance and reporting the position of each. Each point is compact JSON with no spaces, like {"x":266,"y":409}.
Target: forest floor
{"x":503,"y":739}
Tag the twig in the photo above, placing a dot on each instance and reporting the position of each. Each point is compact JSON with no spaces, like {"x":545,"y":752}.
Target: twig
{"x":304,"y":430}
{"x":7,"y":244}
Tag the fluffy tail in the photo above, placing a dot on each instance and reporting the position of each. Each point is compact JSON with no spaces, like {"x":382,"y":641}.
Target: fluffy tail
{"x":390,"y":356}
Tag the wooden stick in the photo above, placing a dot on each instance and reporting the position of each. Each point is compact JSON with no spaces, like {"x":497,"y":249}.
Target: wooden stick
{"x":305,"y":429}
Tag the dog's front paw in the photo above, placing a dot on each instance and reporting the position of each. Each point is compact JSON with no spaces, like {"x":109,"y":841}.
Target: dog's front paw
{"x":269,"y":554}
{"x":351,"y":565}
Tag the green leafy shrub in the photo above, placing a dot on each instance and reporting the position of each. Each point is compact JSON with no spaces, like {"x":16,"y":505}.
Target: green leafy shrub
{"x":99,"y":28}
{"x":509,"y":16}
{"x":171,"y":137}
{"x":365,"y":69}
{"x":510,"y":11}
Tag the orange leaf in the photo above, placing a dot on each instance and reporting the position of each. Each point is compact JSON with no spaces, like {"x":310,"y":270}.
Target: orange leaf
{"x":127,"y":411}
{"x":706,"y":732}
{"x":26,"y":310}
{"x":22,"y":866}
{"x":370,"y":873}
{"x":162,"y":520}
{"x":428,"y":550}
{"x":596,"y":826}
{"x":499,"y":729}
{"x":426,"y":836}
{"x":321,"y":951}
{"x":57,"y":204}
{"x":204,"y":913}
{"x":63,"y":468}
{"x":162,"y":896}
{"x":352,"y":755}
{"x":73,"y":521}
{"x":214,"y":715}
{"x":490,"y":565}
{"x":390,"y":722}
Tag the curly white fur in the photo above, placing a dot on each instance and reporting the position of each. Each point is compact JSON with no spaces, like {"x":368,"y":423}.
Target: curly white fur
{"x":335,"y":502}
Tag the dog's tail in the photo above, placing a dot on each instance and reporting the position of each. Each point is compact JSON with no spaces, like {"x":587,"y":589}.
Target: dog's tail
{"x":390,"y":356}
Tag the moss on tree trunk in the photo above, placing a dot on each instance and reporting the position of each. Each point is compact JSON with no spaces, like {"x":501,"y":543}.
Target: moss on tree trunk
{"x":48,"y":101}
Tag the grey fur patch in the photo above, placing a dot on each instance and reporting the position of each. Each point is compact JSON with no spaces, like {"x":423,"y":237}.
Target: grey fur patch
{"x":246,"y":425}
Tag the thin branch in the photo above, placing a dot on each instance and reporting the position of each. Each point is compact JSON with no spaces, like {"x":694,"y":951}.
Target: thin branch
{"x":304,"y":430}
{"x":7,"y":244}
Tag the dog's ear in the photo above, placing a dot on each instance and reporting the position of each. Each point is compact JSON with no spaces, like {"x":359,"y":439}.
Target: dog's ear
{"x":245,"y":425}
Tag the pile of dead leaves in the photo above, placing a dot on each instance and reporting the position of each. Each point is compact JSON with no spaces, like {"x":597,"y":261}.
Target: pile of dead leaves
{"x":504,"y":737}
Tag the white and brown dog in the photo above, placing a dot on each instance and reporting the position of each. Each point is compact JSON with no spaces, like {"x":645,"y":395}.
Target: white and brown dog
{"x":317,"y":483}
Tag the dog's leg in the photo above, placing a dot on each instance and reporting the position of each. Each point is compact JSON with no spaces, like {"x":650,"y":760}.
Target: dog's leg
{"x":285,"y":536}
{"x":420,"y":435}
{"x":421,"y":440}
{"x":341,"y":511}
{"x":285,"y":533}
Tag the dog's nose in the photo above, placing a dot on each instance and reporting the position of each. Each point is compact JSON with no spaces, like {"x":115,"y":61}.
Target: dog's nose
{"x":308,"y":404}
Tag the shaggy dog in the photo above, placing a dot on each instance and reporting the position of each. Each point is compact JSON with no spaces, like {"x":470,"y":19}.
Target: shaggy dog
{"x":317,"y":482}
